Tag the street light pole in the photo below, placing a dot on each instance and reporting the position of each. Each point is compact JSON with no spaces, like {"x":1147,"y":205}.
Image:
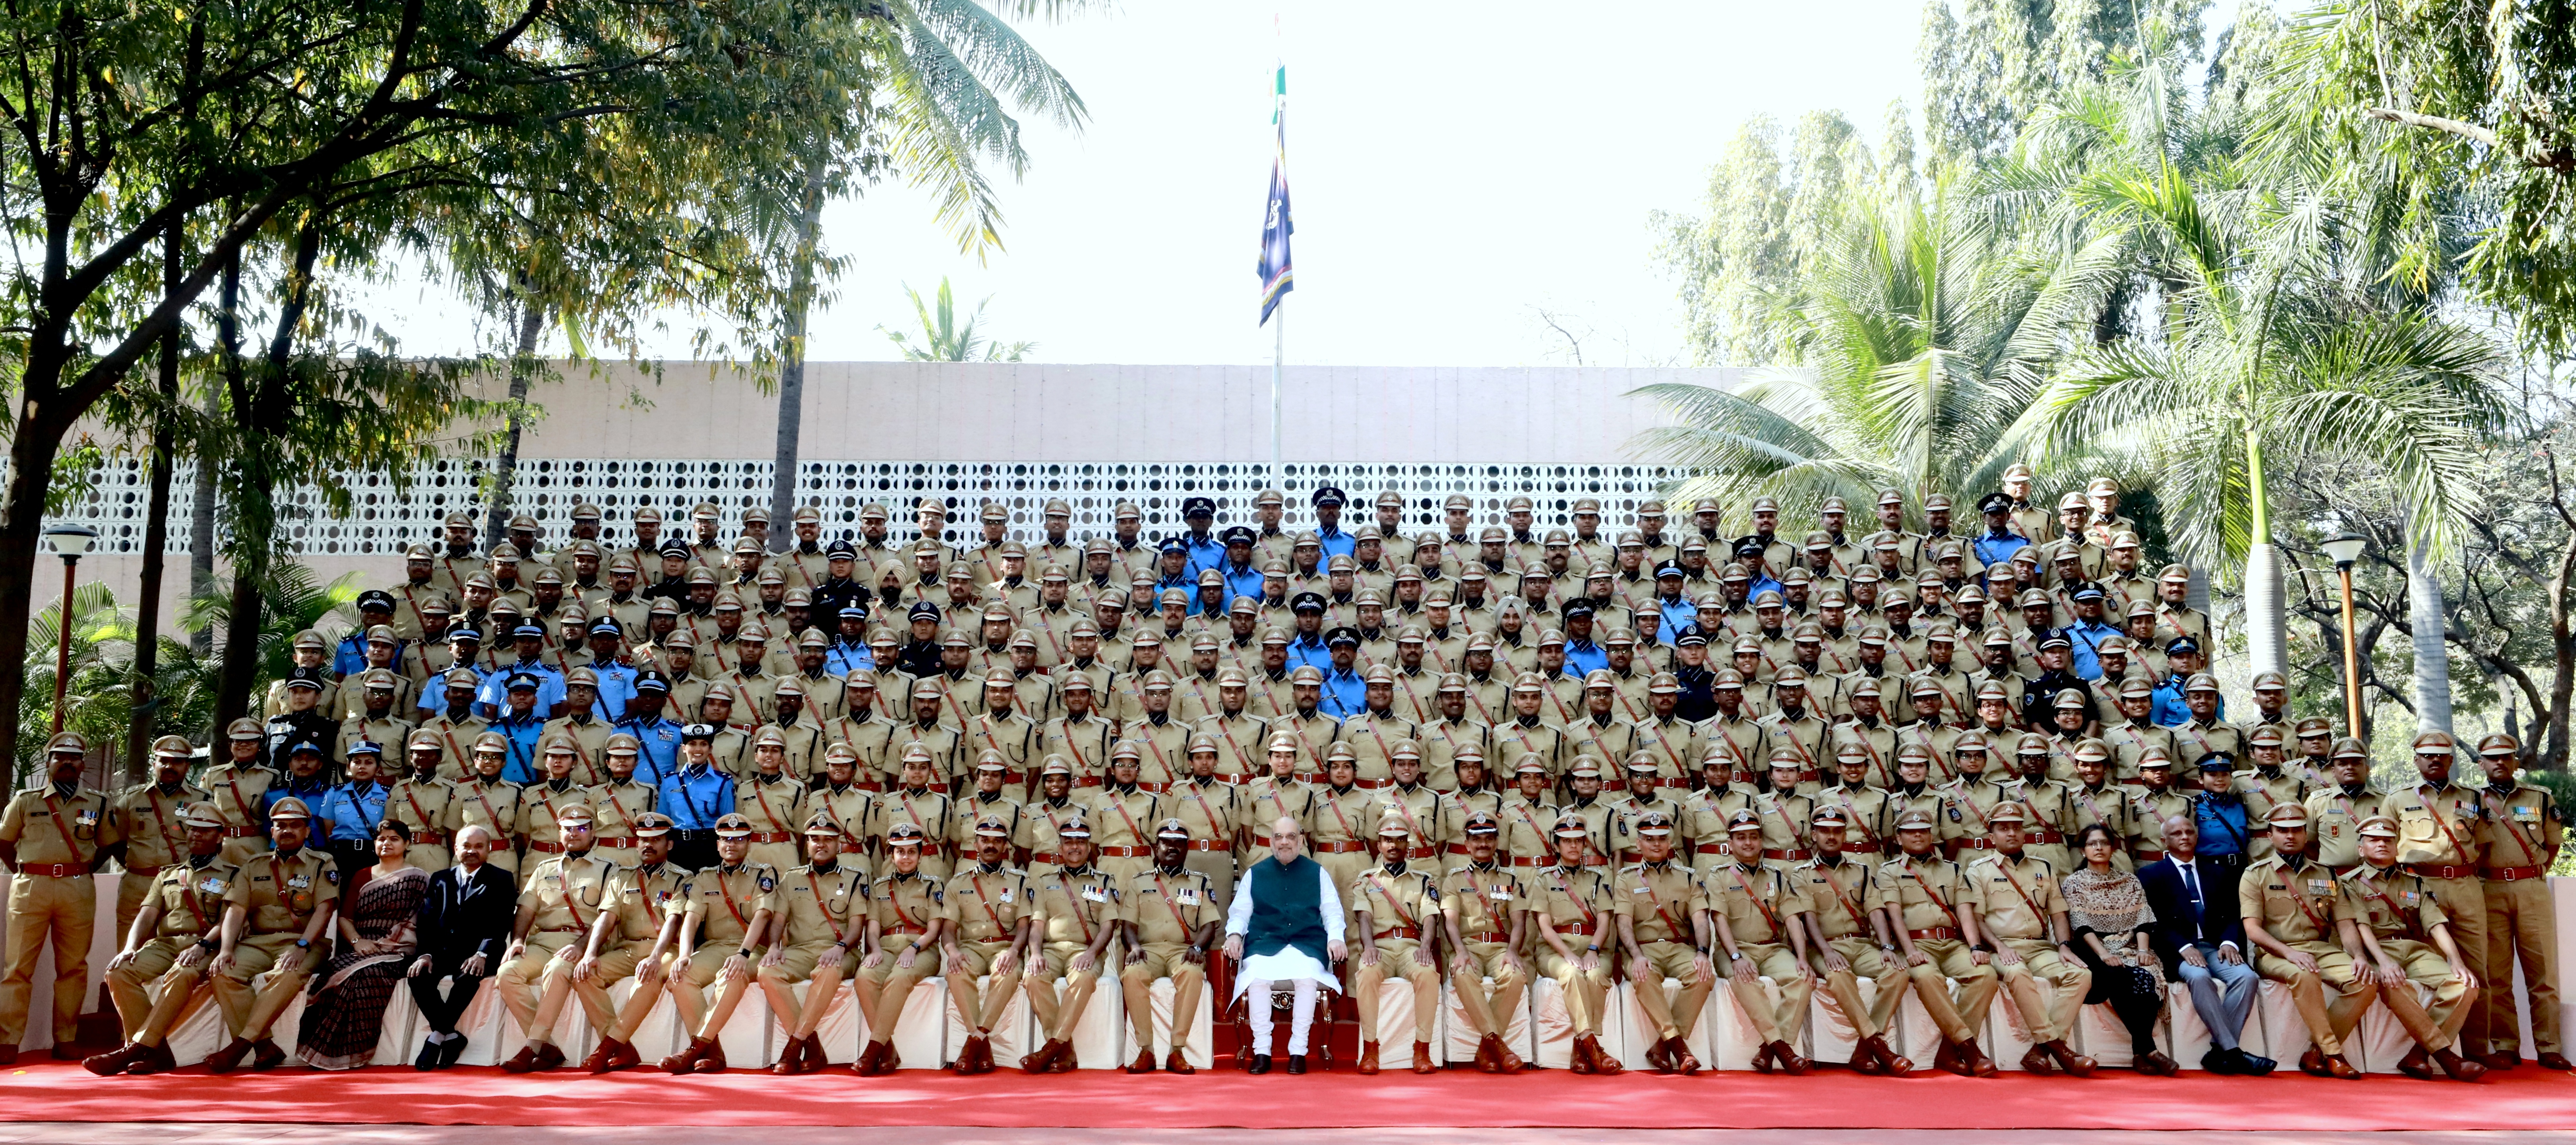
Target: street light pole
{"x":70,"y":541}
{"x":2346,"y":550}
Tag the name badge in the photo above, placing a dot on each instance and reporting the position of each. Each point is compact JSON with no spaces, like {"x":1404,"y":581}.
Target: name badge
{"x":1645,"y":890}
{"x":1189,"y":896}
{"x":1094,"y":894}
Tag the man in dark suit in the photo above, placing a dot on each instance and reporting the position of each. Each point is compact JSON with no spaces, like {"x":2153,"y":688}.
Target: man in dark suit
{"x":2201,"y":937}
{"x":463,"y":925}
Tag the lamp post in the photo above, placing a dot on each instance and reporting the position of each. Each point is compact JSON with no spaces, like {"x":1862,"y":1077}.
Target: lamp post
{"x":70,"y":541}
{"x":2344,"y":550}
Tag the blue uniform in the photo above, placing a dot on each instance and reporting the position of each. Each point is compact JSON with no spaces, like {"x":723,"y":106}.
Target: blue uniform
{"x":658,"y":740}
{"x":2224,"y":829}
{"x":1345,"y":693}
{"x":433,"y":696}
{"x":696,"y":797}
{"x":1676,"y":612}
{"x":1336,"y":543}
{"x":494,"y":695}
{"x":350,"y":658}
{"x":522,"y":732}
{"x":351,"y":811}
{"x":2169,"y":710}
{"x":1997,"y":547}
{"x":1582,"y":656}
{"x":1303,"y":651}
{"x":1241,"y":580}
{"x":2086,"y":637}
{"x":1206,"y":552}
{"x":845,"y":658}
{"x":616,"y":686}
{"x":311,"y":792}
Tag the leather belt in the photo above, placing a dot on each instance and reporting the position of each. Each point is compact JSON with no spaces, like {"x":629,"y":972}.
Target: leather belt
{"x":1798,"y":856}
{"x":1372,"y":784}
{"x":2045,"y":836}
{"x":850,"y":844}
{"x":1421,"y":852}
{"x":777,"y":837}
{"x":560,"y":929}
{"x":1673,"y":781}
{"x":904,"y":930}
{"x":1574,"y":928}
{"x":1454,"y":849}
{"x":1339,"y":848}
{"x":543,"y":847}
{"x":1087,"y":781}
{"x":1710,"y":849}
{"x":618,"y":841}
{"x":2511,"y":874}
{"x":155,"y":869}
{"x":1156,"y":788}
{"x":1484,"y":936}
{"x":54,"y":870}
{"x":1978,"y":844}
{"x":2436,"y":871}
{"x":1413,"y":932}
{"x":1525,"y":861}
{"x":1047,"y":857}
{"x":1126,"y":852}
{"x":1950,"y":932}
{"x":1210,"y":845}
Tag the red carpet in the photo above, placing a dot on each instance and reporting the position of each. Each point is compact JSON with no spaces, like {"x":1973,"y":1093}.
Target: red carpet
{"x":2527,"y":1098}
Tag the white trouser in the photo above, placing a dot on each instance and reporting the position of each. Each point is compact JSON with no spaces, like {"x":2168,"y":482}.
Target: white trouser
{"x":1301,"y":1019}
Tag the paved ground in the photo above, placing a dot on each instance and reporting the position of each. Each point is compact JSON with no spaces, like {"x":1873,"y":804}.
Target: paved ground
{"x":60,"y":1133}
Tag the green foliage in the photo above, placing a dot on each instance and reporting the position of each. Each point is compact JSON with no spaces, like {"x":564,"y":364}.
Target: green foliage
{"x":292,"y":599}
{"x":1991,"y":66}
{"x":945,"y":339}
{"x":98,"y":701}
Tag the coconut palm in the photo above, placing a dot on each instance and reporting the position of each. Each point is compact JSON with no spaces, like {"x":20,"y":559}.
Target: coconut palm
{"x":1921,"y":361}
{"x":950,"y":75}
{"x":945,"y":339}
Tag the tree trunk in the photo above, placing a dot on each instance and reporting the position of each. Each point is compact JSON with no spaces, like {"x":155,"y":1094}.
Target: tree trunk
{"x":201,"y":530}
{"x":2426,"y":616}
{"x":532,"y":322}
{"x":156,"y":533}
{"x":791,"y":357}
{"x":232,"y":686}
{"x":22,"y":524}
{"x":2267,"y":641}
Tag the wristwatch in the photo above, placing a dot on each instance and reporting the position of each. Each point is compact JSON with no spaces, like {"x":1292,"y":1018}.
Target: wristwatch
{"x":206,"y":944}
{"x":304,"y":944}
{"x":742,"y":952}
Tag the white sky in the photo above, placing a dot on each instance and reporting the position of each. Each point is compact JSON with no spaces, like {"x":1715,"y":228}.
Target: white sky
{"x":1455,"y":169}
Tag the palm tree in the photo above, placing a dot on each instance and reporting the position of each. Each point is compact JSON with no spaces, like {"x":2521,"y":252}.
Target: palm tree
{"x":945,"y":339}
{"x":1921,"y":360}
{"x":2262,"y":332}
{"x":951,"y":72}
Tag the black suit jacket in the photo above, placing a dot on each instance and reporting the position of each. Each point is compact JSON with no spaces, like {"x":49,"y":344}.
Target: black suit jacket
{"x":2220,"y":921}
{"x":464,"y":917}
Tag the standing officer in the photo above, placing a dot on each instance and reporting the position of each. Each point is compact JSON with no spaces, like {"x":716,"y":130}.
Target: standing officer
{"x":1571,"y":903}
{"x":2522,"y":831}
{"x":239,"y":787}
{"x":987,"y":932}
{"x":287,"y":898}
{"x":1394,"y":905}
{"x":1663,"y":921}
{"x":817,"y":903}
{"x":1170,"y":922}
{"x":2441,"y":845}
{"x":148,"y":816}
{"x":51,"y":839}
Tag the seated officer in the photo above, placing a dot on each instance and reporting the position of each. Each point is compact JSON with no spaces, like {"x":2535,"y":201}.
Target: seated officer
{"x":1663,"y":921}
{"x":1076,"y":918}
{"x":817,"y":903}
{"x":1926,"y":899}
{"x":179,"y":926}
{"x":1847,"y":941}
{"x":1753,"y":907}
{"x":632,"y":936}
{"x":287,"y":897}
{"x":2022,"y":912}
{"x":731,"y":907}
{"x":2388,"y":914}
{"x":2288,"y":903}
{"x":1393,"y":904}
{"x":905,"y":922}
{"x":988,"y":910}
{"x":1484,"y":906}
{"x":559,"y":902}
{"x":1569,"y":904}
{"x":1172,"y":920}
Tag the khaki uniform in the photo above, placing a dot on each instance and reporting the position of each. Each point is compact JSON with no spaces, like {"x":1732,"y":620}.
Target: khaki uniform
{"x":493,"y":806}
{"x":539,"y":804}
{"x":191,"y":898}
{"x":2521,"y":836}
{"x":2439,"y":840}
{"x":722,"y":902}
{"x":1926,"y":897}
{"x":776,"y":807}
{"x":1122,"y":824}
{"x":1578,"y":904}
{"x":1073,"y":908}
{"x":903,"y":907}
{"x":2395,"y":909}
{"x":1515,"y":737}
{"x":2334,"y":820}
{"x":2020,"y":895}
{"x":1084,"y":743}
{"x":614,"y":807}
{"x":1483,"y":902}
{"x":237,"y":790}
{"x":426,"y":805}
{"x":1214,"y":813}
{"x":2129,"y":740}
{"x":1527,"y":839}
{"x":1869,"y":830}
{"x":1166,"y":909}
{"x":1399,"y":905}
{"x":568,"y":893}
{"x":641,"y":899}
{"x":1758,"y":905}
{"x":814,"y":911}
{"x":927,"y":809}
{"x":279,"y":896}
{"x":1658,"y":901}
{"x":869,"y":735}
{"x":1239,"y":744}
{"x":2296,"y":905}
{"x":52,"y":900}
{"x":984,"y":908}
{"x":1339,"y":830}
{"x":1843,"y":898}
{"x":148,"y":819}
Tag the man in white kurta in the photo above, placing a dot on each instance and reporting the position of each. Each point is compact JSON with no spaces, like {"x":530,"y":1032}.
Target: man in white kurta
{"x":1282,"y":930}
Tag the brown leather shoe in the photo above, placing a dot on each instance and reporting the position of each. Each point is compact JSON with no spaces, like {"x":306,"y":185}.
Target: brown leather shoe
{"x":1066,"y":1061}
{"x":1178,"y":1062}
{"x":1144,"y":1062}
{"x":2460,"y":1068}
{"x":1784,"y":1056}
{"x":1422,"y":1058}
{"x":2312,"y":1062}
{"x":2499,"y":1060}
{"x":1894,"y":1065}
{"x":2416,"y":1064}
{"x":157,"y":1059}
{"x":1039,"y":1062}
{"x":1368,"y":1059}
{"x":687,"y":1059}
{"x":1603,"y":1065}
{"x":1947,"y":1059}
{"x":2337,"y":1067}
{"x":611,"y":1056}
{"x":712,"y":1061}
{"x":522,"y":1061}
{"x":1864,"y":1060}
{"x":2075,"y":1064}
{"x":974,"y":1057}
{"x":2556,"y":1061}
{"x":2156,"y":1064}
{"x":791,"y":1061}
{"x":1762,"y":1058}
{"x":1580,"y":1061}
{"x":2035,"y":1061}
{"x":230,"y":1057}
{"x":266,"y":1055}
{"x":1489,"y":1051}
{"x":871,"y":1056}
{"x":113,"y":1061}
{"x":1659,"y":1057}
{"x":1504,"y":1057}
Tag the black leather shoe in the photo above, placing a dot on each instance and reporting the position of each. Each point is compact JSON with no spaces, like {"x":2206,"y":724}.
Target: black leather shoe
{"x":1260,"y":1064}
{"x":1296,"y":1063}
{"x":428,"y":1059}
{"x":2219,"y":1061}
{"x":450,"y":1050}
{"x":2252,"y":1066}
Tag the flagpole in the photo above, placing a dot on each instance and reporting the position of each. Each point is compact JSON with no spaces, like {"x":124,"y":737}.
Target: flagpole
{"x":1278,"y":358}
